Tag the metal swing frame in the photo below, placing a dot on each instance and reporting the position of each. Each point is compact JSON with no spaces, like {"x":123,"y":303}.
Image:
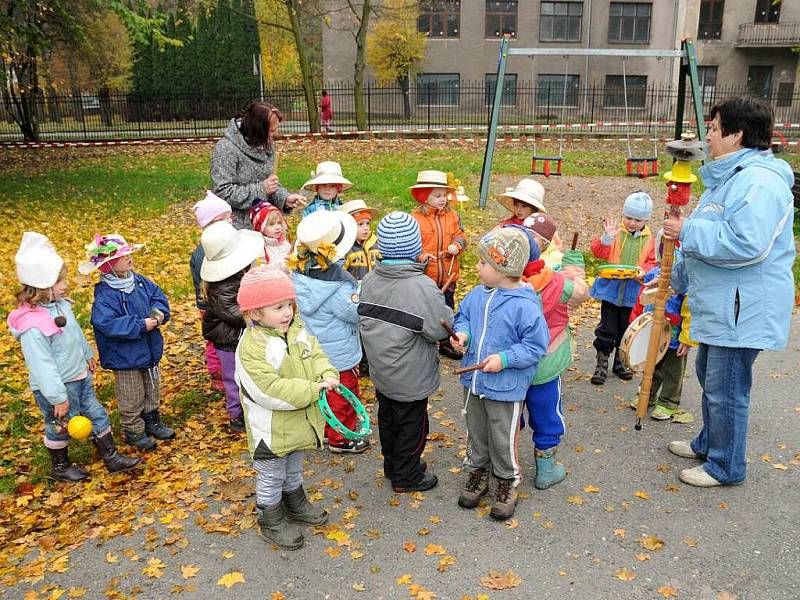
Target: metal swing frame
{"x":688,"y":70}
{"x":545,"y":160}
{"x":646,"y":166}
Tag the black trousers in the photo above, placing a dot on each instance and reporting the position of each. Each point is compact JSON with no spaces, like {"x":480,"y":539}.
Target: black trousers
{"x":403,"y":429}
{"x":613,"y":323}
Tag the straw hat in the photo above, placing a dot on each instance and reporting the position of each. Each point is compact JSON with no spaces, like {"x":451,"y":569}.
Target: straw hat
{"x":327,"y":172}
{"x":228,"y":250}
{"x":328,"y":227}
{"x":432,"y":179}
{"x":106,"y":248}
{"x":355,"y":207}
{"x":528,"y":191}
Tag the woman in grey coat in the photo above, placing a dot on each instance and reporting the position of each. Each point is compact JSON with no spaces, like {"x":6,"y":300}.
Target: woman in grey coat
{"x":243,"y":164}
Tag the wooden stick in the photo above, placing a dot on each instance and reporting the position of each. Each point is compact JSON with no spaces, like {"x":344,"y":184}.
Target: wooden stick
{"x":477,"y":367}
{"x":574,"y":240}
{"x":448,"y":328}
{"x":447,"y":282}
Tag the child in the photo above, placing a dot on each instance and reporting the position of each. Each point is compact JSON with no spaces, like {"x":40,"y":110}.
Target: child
{"x":327,"y":182}
{"x":208,"y":211}
{"x":559,"y":291}
{"x":400,"y":316}
{"x":364,"y":254}
{"x":127,"y":312}
{"x":59,"y":359}
{"x":229,"y":253}
{"x":326,"y":111}
{"x":281,"y":370}
{"x":501,"y":325}
{"x":668,"y":374}
{"x":268,"y":220}
{"x":630,"y":244}
{"x":443,"y":238}
{"x":327,"y":298}
{"x":522,"y":201}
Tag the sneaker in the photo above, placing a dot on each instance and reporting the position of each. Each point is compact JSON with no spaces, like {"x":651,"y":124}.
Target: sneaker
{"x":350,"y":447}
{"x":682,"y":448}
{"x":635,"y":404}
{"x":474,"y":489}
{"x":237,"y":425}
{"x":698,"y":477}
{"x":662,"y":413}
{"x":428,"y":482}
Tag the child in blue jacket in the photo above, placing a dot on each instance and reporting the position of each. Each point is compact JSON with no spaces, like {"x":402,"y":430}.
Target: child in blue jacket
{"x":127,"y":312}
{"x":501,"y":325}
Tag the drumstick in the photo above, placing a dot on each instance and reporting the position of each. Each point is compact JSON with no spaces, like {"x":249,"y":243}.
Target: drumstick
{"x":447,"y":283}
{"x":448,"y":328}
{"x":574,"y":240}
{"x":477,"y":367}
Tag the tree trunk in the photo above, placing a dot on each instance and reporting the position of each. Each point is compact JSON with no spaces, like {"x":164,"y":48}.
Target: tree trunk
{"x":305,"y":66}
{"x":105,"y":106}
{"x":358,"y":71}
{"x":21,"y":98}
{"x":403,"y":81}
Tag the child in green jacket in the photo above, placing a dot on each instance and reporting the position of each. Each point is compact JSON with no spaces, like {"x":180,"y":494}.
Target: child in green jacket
{"x":280,"y":369}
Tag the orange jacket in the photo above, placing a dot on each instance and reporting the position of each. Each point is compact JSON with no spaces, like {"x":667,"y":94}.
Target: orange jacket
{"x":439,"y":229}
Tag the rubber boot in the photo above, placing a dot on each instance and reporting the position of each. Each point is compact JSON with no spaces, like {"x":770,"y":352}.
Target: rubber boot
{"x":300,"y":510}
{"x":476,"y":486}
{"x":620,"y":370}
{"x":140,"y":440}
{"x":62,"y":469}
{"x":115,"y":462}
{"x":154,"y":426}
{"x":548,"y":473}
{"x":273,"y":527}
{"x":601,"y":370}
{"x":505,"y":500}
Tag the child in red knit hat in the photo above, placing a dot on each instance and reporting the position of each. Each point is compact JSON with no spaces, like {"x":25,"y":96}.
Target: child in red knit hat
{"x":269,"y":221}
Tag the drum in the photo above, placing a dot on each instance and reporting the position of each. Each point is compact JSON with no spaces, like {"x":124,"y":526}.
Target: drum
{"x":633,"y":347}
{"x":618,"y":271}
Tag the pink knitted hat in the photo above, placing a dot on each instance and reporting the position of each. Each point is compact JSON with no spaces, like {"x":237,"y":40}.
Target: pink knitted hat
{"x":264,"y":286}
{"x":209,"y":208}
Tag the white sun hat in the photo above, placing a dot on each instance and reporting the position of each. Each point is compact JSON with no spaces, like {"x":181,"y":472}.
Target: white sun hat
{"x":328,"y":227}
{"x":228,"y":250}
{"x":38,"y":263}
{"x":528,"y":191}
{"x":329,"y":172}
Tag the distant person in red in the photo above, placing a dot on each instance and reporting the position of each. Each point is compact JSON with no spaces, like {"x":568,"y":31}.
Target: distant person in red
{"x":325,"y":111}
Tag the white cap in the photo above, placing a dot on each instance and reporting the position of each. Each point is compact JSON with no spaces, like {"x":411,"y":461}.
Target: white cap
{"x":38,"y":263}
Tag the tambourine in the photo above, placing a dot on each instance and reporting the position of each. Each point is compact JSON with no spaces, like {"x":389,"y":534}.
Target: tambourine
{"x":618,"y":272}
{"x":633,"y":347}
{"x":362,"y":417}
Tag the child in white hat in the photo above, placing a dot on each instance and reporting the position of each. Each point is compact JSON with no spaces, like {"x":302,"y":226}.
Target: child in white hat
{"x":127,"y":312}
{"x":59,"y":359}
{"x":327,"y":183}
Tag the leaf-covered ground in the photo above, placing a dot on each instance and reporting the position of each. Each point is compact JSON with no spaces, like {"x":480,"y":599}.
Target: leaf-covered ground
{"x":620,"y":526}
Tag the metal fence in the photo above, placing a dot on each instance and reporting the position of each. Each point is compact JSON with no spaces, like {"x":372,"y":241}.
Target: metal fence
{"x":457,"y":104}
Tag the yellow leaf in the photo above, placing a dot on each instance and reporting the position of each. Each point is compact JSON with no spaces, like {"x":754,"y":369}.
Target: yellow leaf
{"x":231,"y":579}
{"x":723,"y":505}
{"x":188,"y":571}
{"x":577,"y":500}
{"x":455,"y":470}
{"x":591,"y":489}
{"x":333,"y":551}
{"x":643,"y":556}
{"x":651,"y":543}
{"x":444,"y":562}
{"x":692,"y":543}
{"x":228,"y":554}
{"x":668,"y":591}
{"x":780,"y":466}
{"x":432,"y":549}
{"x":355,"y":554}
{"x":340,"y":537}
{"x":435,"y":519}
{"x":76,"y":592}
{"x":360,"y":586}
{"x":167,"y":519}
{"x":512,"y":524}
{"x":410,"y":547}
{"x":642,"y":495}
{"x":403,"y":580}
{"x":625,"y":575}
{"x":423,"y":531}
{"x":619,"y":533}
{"x":55,"y":499}
{"x":59,"y":565}
{"x":497,"y":580}
{"x":154,"y":567}
{"x":277,"y":596}
{"x":111,"y":558}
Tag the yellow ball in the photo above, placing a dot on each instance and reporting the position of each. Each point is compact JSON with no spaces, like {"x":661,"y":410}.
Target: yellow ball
{"x":79,"y":427}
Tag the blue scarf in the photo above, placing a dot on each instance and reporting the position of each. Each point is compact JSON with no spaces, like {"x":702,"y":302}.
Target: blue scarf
{"x":125,"y":285}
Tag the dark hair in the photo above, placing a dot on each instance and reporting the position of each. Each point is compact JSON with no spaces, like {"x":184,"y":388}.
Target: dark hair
{"x":324,"y":92}
{"x":753,"y":118}
{"x":255,"y":122}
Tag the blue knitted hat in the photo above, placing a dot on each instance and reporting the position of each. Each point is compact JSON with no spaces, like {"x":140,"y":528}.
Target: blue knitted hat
{"x":639,"y":205}
{"x":399,"y":236}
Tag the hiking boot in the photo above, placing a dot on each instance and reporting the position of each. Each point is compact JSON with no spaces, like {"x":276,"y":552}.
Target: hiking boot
{"x":423,"y":466}
{"x":300,"y":510}
{"x":237,"y":425}
{"x":350,"y":447}
{"x":662,"y":413}
{"x":601,"y":370}
{"x":548,"y":472}
{"x":154,"y":426}
{"x":273,"y":527}
{"x":620,"y":370}
{"x":477,"y":485}
{"x":446,"y":349}
{"x":505,"y":500}
{"x":62,"y":469}
{"x":140,"y":440}
{"x":115,"y":462}
{"x":428,"y":482}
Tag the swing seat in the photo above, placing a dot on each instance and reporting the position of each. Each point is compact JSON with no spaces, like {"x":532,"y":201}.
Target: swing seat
{"x":641,"y":166}
{"x":546,"y":167}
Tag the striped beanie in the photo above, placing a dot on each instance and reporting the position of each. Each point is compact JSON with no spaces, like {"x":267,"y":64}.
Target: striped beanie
{"x":264,"y":286}
{"x":399,"y":236}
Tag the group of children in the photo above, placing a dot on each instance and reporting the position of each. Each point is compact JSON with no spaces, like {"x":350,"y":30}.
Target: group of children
{"x":284,"y":321}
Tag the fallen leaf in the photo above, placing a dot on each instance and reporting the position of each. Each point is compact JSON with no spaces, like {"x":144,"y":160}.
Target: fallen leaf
{"x":577,"y":500}
{"x":723,"y":506}
{"x":55,"y":499}
{"x":154,"y":568}
{"x":423,"y":531}
{"x":780,"y":466}
{"x":360,"y":586}
{"x":356,"y":554}
{"x":683,"y":417}
{"x":277,"y":596}
{"x":111,"y":558}
{"x":619,"y":533}
{"x":228,"y":554}
{"x":642,"y":495}
{"x":668,"y":591}
{"x":692,"y":543}
{"x":497,"y":580}
{"x":625,"y":575}
{"x":231,"y":579}
{"x":403,"y":580}
{"x":643,"y":556}
{"x":432,"y":549}
{"x":188,"y":571}
{"x":435,"y":519}
{"x":663,"y":468}
{"x":76,"y":592}
{"x":591,"y":489}
{"x":512,"y":524}
{"x":410,"y":547}
{"x":444,"y":562}
{"x":333,"y":551}
{"x":651,"y":543}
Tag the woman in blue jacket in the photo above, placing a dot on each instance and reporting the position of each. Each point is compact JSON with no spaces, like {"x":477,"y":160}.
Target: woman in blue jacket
{"x":735,"y":246}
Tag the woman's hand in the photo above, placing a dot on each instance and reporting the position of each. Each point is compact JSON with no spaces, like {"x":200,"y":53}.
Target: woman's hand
{"x":672,"y":228}
{"x":295,"y":200}
{"x":271,"y":184}
{"x":493,"y":364}
{"x":60,"y":410}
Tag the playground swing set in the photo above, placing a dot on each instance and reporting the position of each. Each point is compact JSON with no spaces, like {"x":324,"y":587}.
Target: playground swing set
{"x":637,"y":165}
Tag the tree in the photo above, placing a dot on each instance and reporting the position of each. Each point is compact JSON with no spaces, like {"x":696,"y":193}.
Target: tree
{"x":395,"y":49}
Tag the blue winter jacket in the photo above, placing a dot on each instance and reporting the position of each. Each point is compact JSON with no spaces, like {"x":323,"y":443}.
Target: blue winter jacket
{"x":319,"y":204}
{"x":123,"y":341}
{"x":737,"y":252}
{"x":505,"y":322}
{"x":330,"y":312}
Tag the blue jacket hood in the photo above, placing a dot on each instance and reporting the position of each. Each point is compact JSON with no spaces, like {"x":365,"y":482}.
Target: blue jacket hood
{"x":717,"y":172}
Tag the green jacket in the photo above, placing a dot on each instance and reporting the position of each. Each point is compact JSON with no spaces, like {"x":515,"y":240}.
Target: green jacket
{"x":277,"y":377}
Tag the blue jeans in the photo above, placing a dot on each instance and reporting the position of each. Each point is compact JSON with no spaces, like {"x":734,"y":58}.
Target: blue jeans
{"x":726,"y":376}
{"x":82,"y":401}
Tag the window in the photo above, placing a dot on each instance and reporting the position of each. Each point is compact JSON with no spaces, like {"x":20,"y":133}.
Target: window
{"x":438,"y":89}
{"x":629,"y":22}
{"x":759,"y":81}
{"x":614,"y":96}
{"x":785,"y":93}
{"x":509,"y":97}
{"x":709,"y":26}
{"x":501,"y":18}
{"x":440,"y":18}
{"x":551,"y":91}
{"x":707,"y":78}
{"x":767,"y":11}
{"x":560,"y":21}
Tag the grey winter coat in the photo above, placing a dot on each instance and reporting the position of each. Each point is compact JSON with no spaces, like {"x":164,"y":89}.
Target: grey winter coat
{"x":399,"y":312}
{"x":237,"y":172}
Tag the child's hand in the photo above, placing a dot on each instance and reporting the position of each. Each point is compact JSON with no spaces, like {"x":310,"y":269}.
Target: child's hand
{"x":453,"y":249}
{"x":610,"y":227}
{"x":60,"y":410}
{"x":150,"y":324}
{"x":640,"y":276}
{"x":494,"y":364}
{"x":92,"y":364}
{"x":683,"y":350}
{"x":460,"y":341}
{"x":328,"y":383}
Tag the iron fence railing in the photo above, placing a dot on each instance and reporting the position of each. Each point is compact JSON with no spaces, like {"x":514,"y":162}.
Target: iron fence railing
{"x":769,"y":34}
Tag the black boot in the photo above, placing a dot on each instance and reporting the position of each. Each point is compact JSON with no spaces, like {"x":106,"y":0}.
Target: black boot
{"x":300,"y":510}
{"x":446,"y":349}
{"x":115,"y":461}
{"x":273,"y":527}
{"x":601,"y":370}
{"x":140,"y":440}
{"x":62,"y":469}
{"x":620,"y":370}
{"x":154,"y":426}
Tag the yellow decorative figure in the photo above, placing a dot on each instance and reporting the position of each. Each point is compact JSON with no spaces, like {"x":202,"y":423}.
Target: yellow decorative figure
{"x":79,"y":427}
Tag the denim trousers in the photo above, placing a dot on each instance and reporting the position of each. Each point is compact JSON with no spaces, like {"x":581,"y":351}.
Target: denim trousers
{"x":726,"y":376}
{"x":82,"y":401}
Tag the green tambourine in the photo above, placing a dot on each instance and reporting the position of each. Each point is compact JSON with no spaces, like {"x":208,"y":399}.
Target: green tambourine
{"x":361,"y":414}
